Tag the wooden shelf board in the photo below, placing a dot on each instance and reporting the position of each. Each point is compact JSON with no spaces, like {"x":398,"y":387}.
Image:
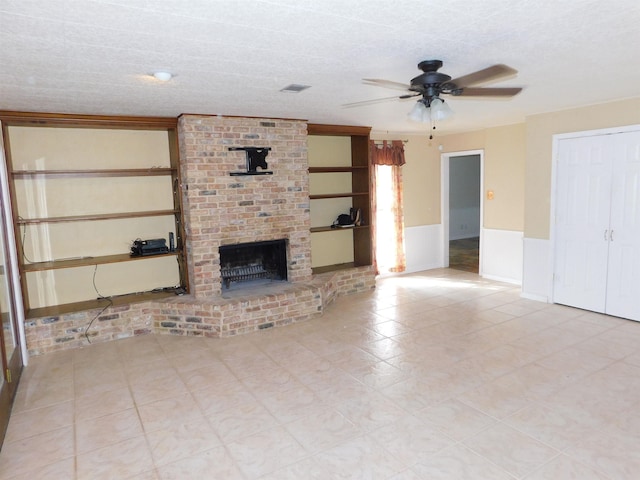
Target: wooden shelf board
{"x":338,"y":195}
{"x":88,"y":261}
{"x":335,"y":268}
{"x":133,"y":172}
{"x":87,"y":121}
{"x":338,"y":130}
{"x":118,"y":300}
{"x":97,"y":216}
{"x":337,"y":169}
{"x":336,"y":229}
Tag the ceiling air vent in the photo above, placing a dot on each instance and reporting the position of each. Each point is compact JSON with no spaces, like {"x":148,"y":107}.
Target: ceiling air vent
{"x":295,"y":88}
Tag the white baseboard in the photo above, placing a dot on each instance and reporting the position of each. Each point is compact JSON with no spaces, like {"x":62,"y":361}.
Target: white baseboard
{"x":537,"y":298}
{"x":501,"y":279}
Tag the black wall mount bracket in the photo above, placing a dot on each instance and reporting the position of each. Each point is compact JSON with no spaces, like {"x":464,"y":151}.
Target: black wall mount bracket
{"x":255,"y":157}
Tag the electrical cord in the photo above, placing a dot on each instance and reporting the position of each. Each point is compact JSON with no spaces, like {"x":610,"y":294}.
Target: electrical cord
{"x":100,"y":297}
{"x":24,"y":236}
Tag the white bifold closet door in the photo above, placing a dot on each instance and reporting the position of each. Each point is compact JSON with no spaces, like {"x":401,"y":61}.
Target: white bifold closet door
{"x":597,"y":231}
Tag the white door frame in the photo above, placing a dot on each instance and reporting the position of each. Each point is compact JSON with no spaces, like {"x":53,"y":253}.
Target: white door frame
{"x":552,"y":197}
{"x":445,"y":159}
{"x":13,"y":253}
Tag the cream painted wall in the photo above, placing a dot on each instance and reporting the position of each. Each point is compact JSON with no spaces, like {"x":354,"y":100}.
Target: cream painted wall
{"x":43,"y":148}
{"x":504,"y":167}
{"x":420,"y":178}
{"x":539,"y":140}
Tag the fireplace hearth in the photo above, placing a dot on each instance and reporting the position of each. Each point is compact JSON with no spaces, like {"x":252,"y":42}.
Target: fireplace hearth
{"x":251,"y":262}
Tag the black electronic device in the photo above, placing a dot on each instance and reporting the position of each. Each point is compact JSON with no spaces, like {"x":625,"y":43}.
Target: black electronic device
{"x":142,"y":248}
{"x":172,"y":244}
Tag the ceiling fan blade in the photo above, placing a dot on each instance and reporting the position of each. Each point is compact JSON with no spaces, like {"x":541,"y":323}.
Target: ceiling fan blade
{"x":376,"y":82}
{"x":490,"y":92}
{"x":377,"y":100}
{"x":489,"y":74}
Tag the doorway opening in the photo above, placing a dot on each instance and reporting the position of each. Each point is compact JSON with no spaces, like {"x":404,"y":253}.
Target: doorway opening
{"x":462,"y":209}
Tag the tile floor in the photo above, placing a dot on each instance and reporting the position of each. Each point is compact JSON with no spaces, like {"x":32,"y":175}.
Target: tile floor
{"x":437,"y":375}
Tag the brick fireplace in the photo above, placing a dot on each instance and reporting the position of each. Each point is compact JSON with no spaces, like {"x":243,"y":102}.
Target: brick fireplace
{"x":221,"y":210}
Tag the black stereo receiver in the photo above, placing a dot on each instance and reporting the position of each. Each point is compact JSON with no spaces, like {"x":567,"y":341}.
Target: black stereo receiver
{"x":156,"y":246}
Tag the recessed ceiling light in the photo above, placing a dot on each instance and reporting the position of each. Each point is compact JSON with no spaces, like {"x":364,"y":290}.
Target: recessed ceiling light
{"x":295,"y":88}
{"x":163,"y":76}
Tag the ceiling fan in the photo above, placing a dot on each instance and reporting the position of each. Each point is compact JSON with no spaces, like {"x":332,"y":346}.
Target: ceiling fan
{"x":431,"y":84}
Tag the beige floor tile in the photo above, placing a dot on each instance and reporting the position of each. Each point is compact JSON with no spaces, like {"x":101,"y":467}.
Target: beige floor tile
{"x":372,"y":411}
{"x":266,"y":452}
{"x":459,"y":463}
{"x":169,"y":412}
{"x":515,"y":452}
{"x":381,"y":386}
{"x":157,"y":389}
{"x":361,"y":457}
{"x":33,"y":422}
{"x":181,"y":440}
{"x":33,"y":453}
{"x":614,"y":454}
{"x":58,"y":470}
{"x":323,"y":429}
{"x":308,"y":469}
{"x":455,"y":419}
{"x":217,"y":398}
{"x":101,"y":404}
{"x":406,"y":475}
{"x":409,"y":439}
{"x":244,"y":419}
{"x":96,"y":433}
{"x":120,"y":460}
{"x":215,"y":463}
{"x":563,"y":467}
{"x":553,"y":427}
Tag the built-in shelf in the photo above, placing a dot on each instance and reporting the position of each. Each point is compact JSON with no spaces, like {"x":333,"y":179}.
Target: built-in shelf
{"x":338,"y":169}
{"x":87,"y":261}
{"x":338,"y":195}
{"x":354,"y":163}
{"x":96,"y":216}
{"x":336,"y":229}
{"x":76,"y":202}
{"x":333,"y":268}
{"x":115,"y":301}
{"x":132,"y":172}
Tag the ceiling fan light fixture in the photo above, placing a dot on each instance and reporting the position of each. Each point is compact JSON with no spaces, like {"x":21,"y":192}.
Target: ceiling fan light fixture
{"x":440,"y":110}
{"x":420,"y":113}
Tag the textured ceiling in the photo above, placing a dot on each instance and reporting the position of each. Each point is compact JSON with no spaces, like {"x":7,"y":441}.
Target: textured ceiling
{"x":234,"y":57}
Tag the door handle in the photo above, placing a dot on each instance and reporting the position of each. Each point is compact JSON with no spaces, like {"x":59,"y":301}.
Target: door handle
{"x":611,"y":236}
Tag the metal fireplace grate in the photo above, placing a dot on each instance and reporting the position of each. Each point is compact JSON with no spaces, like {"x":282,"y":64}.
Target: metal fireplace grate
{"x":246,"y":262}
{"x":246,"y":274}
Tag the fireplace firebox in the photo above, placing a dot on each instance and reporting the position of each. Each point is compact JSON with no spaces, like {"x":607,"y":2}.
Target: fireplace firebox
{"x":247,"y":262}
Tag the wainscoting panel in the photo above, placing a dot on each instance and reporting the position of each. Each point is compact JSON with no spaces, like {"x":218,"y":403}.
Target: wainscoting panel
{"x":501,"y":255}
{"x":423,"y":247}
